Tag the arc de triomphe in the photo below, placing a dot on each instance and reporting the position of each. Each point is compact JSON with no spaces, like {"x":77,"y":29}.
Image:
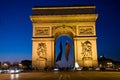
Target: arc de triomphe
{"x":77,"y":22}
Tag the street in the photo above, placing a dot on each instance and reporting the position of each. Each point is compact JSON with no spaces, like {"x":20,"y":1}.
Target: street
{"x":64,"y":75}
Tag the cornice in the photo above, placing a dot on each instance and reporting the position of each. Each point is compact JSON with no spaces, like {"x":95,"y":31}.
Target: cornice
{"x":63,"y":18}
{"x":70,"y":7}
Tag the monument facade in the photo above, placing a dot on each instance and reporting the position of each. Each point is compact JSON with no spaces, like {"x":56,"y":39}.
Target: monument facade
{"x":77,"y":22}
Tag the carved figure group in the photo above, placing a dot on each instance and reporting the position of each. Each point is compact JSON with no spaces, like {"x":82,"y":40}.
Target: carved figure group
{"x":86,"y":49}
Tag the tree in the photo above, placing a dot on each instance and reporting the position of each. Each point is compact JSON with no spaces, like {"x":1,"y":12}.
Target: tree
{"x":27,"y":64}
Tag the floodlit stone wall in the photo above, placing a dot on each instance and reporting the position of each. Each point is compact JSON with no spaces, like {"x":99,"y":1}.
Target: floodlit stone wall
{"x":81,"y":27}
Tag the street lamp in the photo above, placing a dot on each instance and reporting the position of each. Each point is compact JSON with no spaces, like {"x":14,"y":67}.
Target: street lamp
{"x":5,"y":65}
{"x":20,"y":65}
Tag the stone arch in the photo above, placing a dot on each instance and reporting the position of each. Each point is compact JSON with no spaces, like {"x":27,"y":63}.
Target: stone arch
{"x":77,"y":22}
{"x":63,"y":30}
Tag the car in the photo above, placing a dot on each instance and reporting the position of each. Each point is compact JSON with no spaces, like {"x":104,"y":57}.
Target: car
{"x":0,"y":71}
{"x":56,"y":69}
{"x":4,"y":71}
{"x":14,"y":71}
{"x":97,"y":69}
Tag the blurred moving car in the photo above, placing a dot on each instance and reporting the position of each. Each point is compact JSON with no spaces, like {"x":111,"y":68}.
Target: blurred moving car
{"x":12,"y":71}
{"x":4,"y":71}
{"x":56,"y":69}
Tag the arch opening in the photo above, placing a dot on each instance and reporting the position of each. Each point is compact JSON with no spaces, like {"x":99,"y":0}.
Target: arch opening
{"x":64,"y":52}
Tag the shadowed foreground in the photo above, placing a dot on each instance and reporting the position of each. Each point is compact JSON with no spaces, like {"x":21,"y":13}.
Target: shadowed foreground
{"x":81,"y":75}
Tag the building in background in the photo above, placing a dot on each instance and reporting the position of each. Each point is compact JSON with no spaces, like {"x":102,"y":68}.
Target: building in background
{"x":108,"y":64}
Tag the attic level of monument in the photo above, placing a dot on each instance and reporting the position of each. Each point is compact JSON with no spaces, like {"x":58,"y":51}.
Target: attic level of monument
{"x":63,"y":10}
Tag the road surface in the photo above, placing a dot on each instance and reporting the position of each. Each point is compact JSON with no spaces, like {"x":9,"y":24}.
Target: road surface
{"x":65,"y":75}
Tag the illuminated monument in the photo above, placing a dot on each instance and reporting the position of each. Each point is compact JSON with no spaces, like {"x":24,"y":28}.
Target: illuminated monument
{"x":77,"y":22}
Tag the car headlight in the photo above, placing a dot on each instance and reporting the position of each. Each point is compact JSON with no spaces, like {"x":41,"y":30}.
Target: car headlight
{"x":17,"y":71}
{"x":12,"y":71}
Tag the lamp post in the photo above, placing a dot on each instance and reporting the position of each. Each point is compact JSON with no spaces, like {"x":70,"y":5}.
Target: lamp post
{"x":0,"y":65}
{"x":5,"y":65}
{"x":20,"y":66}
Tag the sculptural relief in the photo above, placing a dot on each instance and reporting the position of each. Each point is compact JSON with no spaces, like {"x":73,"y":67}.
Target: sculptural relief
{"x":54,"y":28}
{"x":85,"y":30}
{"x":86,"y":49}
{"x":41,"y":51}
{"x":40,"y":31}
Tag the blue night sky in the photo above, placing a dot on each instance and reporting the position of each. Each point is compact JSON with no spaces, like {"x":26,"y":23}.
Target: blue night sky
{"x":16,"y":27}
